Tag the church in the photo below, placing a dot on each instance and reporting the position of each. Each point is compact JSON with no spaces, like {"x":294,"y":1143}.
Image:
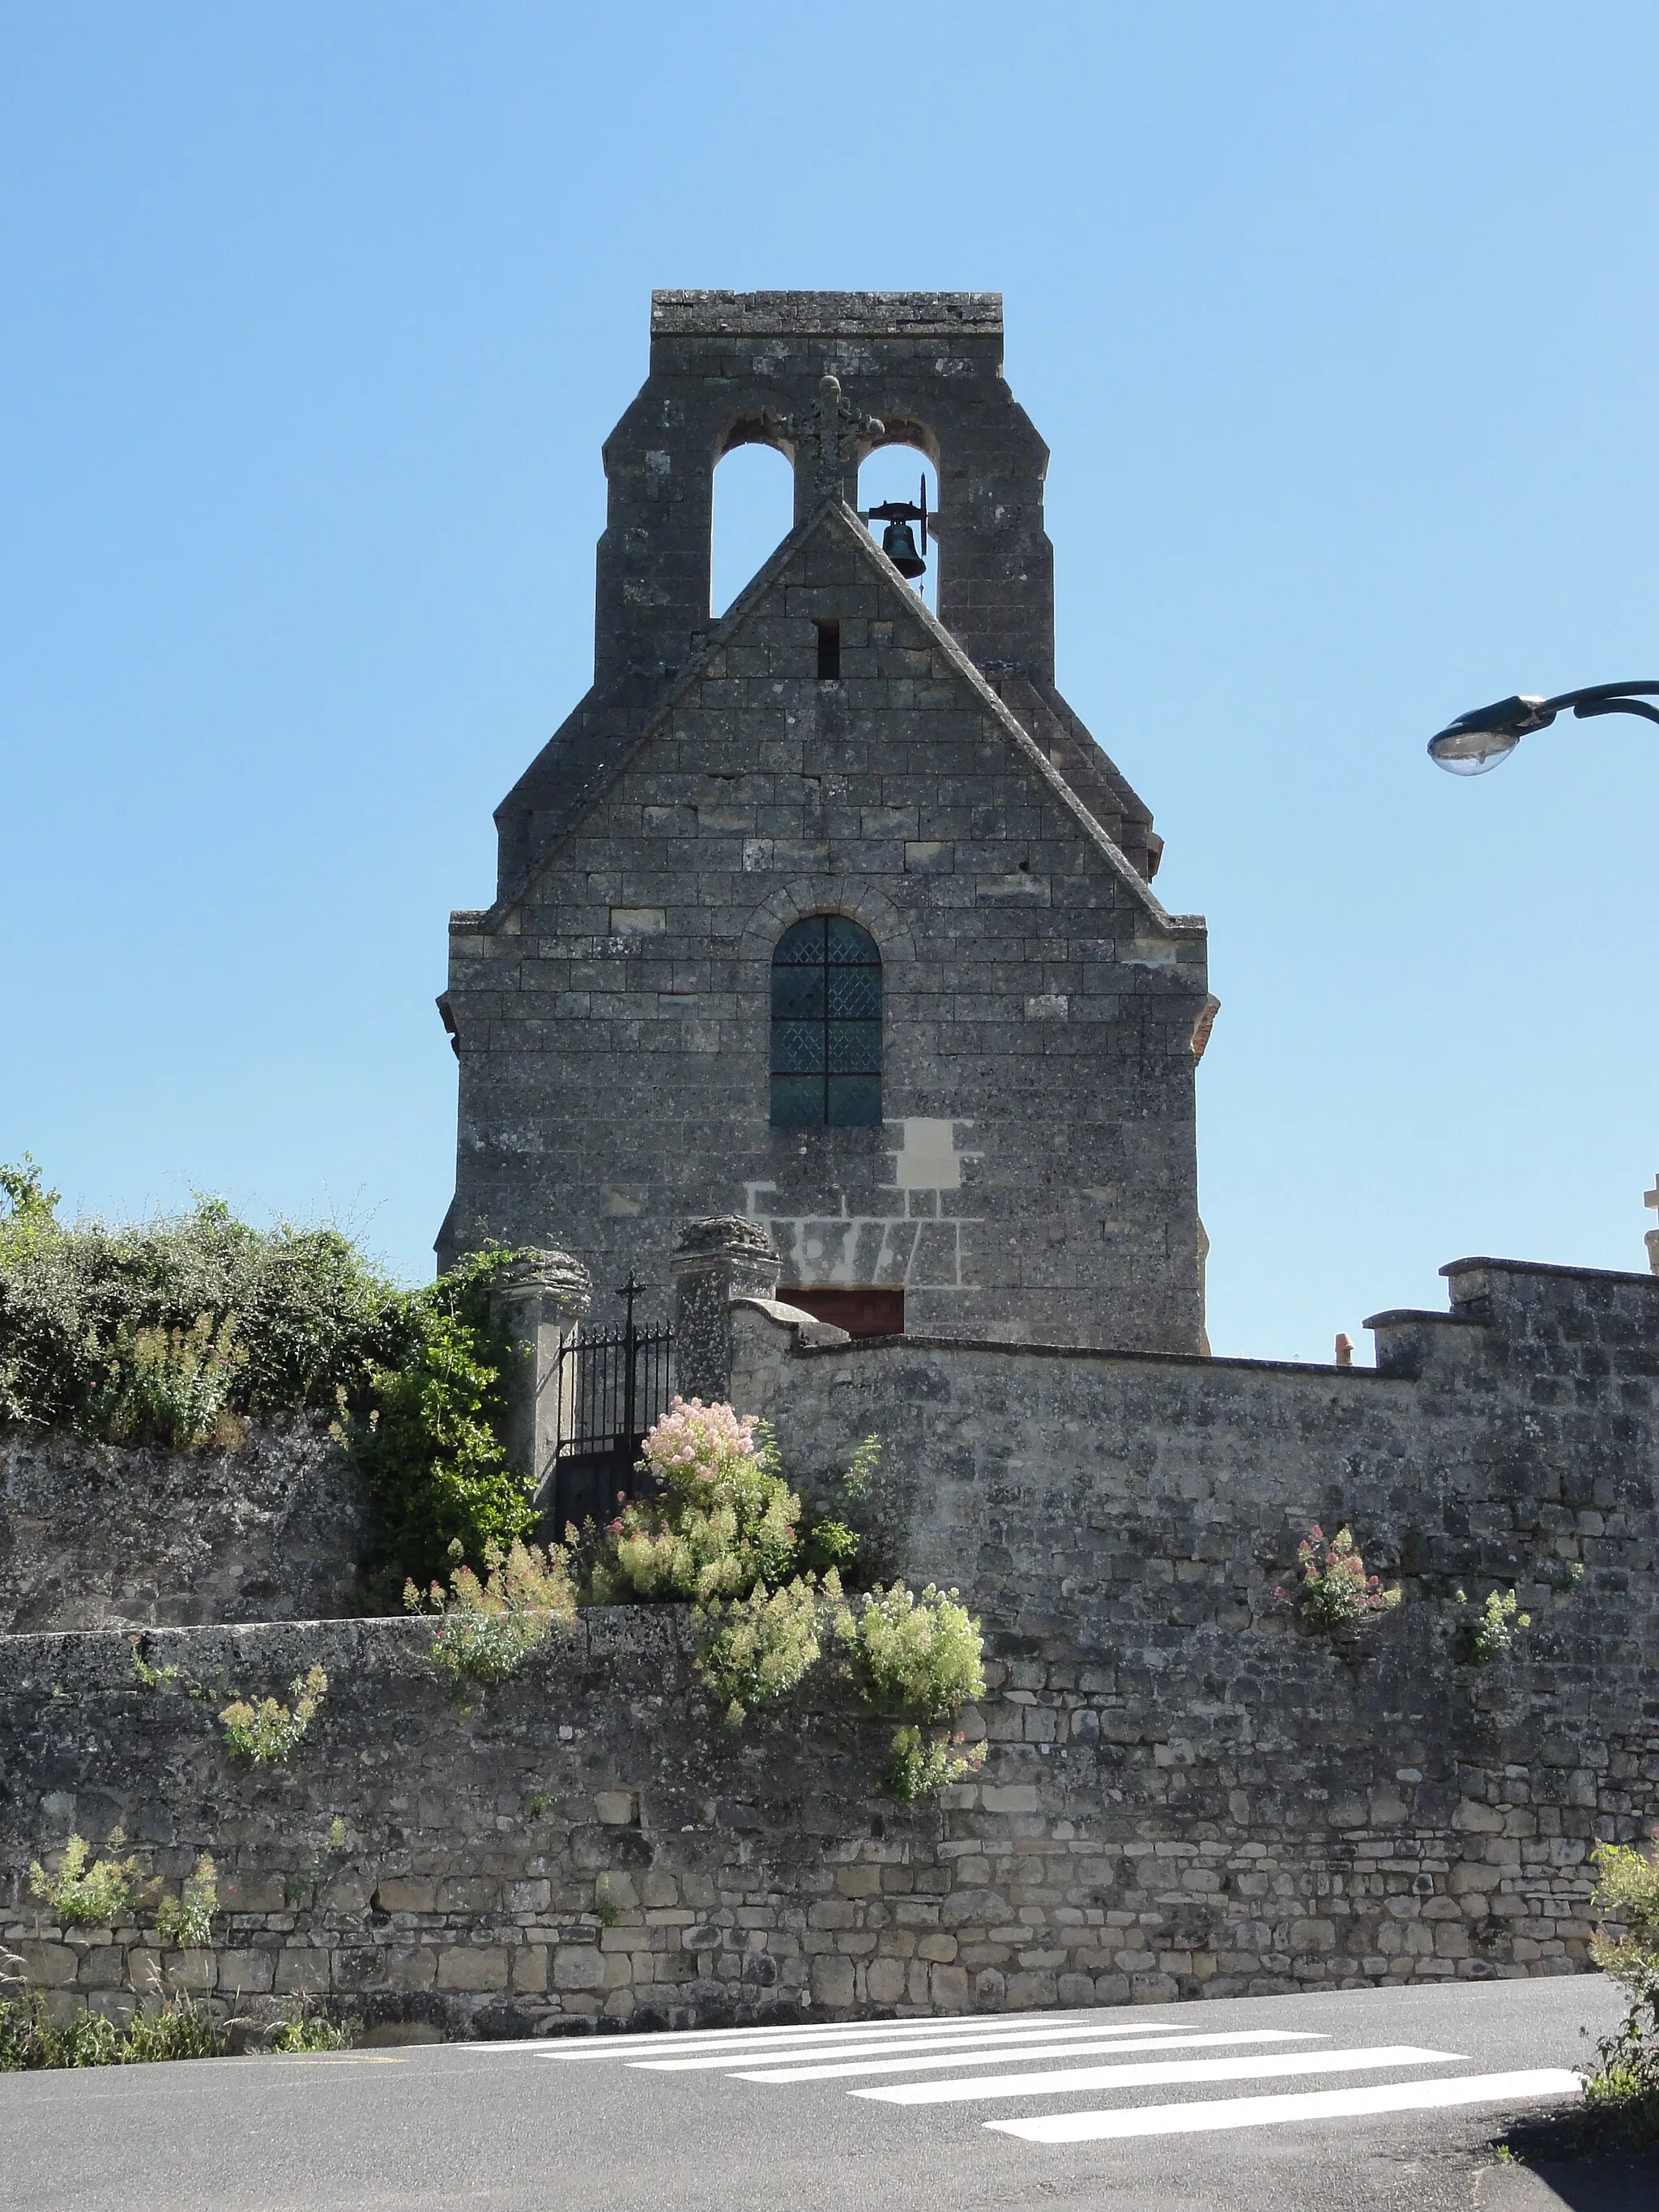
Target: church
{"x":831,"y":914}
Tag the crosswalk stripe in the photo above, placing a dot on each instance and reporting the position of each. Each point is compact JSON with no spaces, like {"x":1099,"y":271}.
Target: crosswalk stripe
{"x":737,"y":2040}
{"x":968,"y":2049}
{"x":920,"y":2065}
{"x":1216,"y":2113}
{"x":1157,"y":2072}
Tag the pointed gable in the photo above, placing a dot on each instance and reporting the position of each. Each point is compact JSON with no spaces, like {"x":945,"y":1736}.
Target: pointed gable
{"x":894,"y":657}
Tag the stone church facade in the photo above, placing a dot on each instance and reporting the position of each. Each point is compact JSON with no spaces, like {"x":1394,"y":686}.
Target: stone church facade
{"x":831,"y":914}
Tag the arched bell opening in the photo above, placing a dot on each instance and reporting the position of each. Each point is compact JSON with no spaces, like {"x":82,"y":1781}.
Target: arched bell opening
{"x":903,"y":473}
{"x":754,"y":511}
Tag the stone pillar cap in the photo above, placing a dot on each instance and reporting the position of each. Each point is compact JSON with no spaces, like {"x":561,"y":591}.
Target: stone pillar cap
{"x":723,"y":1235}
{"x":530,"y":1272}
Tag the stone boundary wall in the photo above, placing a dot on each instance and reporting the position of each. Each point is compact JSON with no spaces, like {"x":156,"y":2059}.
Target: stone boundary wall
{"x":585,"y":1846}
{"x":1185,"y":1793}
{"x":92,"y":1534}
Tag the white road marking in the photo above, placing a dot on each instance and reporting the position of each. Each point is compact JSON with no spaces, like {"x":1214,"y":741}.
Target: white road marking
{"x":1014,"y":2043}
{"x":910,"y":2065}
{"x":735,"y":2039}
{"x":1156,"y":2072}
{"x":1216,"y":2113}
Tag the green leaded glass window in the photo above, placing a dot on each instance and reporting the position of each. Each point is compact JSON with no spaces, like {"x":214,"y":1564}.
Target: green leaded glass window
{"x":826,"y":1026}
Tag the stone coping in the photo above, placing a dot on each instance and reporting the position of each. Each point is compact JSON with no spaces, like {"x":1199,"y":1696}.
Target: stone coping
{"x":96,"y":1659}
{"x":827,"y":314}
{"x":1549,"y":1267}
{"x":1198,"y":1361}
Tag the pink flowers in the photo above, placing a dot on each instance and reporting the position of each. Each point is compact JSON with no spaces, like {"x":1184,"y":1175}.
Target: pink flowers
{"x":693,"y":1444}
{"x":1336,"y":1591}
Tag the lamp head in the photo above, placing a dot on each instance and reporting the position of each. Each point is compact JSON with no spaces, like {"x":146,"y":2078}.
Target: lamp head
{"x":1484,"y":736}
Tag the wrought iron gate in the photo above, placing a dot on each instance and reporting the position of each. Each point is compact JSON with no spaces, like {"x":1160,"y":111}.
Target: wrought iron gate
{"x":613,"y":1385}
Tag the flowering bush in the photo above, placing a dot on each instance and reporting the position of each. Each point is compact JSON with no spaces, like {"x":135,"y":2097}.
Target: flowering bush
{"x":725,"y":1520}
{"x":83,"y":1896}
{"x":922,"y":1765}
{"x":694,"y":1446}
{"x":490,"y":1628}
{"x":1490,"y":1633}
{"x":755,"y":1649}
{"x":1336,"y":1592}
{"x":186,"y":1921}
{"x":916,"y":1658}
{"x":267,"y":1732}
{"x":171,"y":1387}
{"x":727,"y":1531}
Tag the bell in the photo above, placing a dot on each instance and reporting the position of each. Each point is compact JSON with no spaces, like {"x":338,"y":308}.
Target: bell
{"x":900,"y":547}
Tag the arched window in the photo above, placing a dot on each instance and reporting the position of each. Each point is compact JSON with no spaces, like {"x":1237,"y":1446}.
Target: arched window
{"x":826,"y":1026}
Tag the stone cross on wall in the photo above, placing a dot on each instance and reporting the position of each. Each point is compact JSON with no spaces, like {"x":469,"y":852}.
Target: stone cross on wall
{"x":832,"y":428}
{"x":1651,"y":1240}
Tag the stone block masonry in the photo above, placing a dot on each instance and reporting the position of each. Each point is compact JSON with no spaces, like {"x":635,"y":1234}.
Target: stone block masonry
{"x":93,"y":1534}
{"x":1019,"y":1159}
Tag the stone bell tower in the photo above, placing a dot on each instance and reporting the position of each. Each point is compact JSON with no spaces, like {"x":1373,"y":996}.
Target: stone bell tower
{"x":832,"y":913}
{"x":738,"y":368}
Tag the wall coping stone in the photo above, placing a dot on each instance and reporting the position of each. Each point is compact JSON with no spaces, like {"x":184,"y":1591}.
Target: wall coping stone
{"x":1549,"y":1267}
{"x":1198,"y":1361}
{"x":101,"y":1658}
{"x":826,"y":315}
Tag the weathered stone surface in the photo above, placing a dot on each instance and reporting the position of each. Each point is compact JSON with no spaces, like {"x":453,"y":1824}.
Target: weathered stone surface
{"x":1248,"y":1808}
{"x":1034,"y":1173}
{"x":92,"y":1534}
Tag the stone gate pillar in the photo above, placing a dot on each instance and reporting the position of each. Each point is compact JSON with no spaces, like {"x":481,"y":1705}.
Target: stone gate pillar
{"x":536,"y":1302}
{"x":715,"y":1261}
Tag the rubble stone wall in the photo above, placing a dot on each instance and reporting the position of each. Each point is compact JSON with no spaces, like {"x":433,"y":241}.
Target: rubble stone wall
{"x":1185,"y":1792}
{"x":92,"y":1534}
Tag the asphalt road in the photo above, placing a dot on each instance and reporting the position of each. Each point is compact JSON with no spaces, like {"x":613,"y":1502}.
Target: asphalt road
{"x":1371,"y":2099}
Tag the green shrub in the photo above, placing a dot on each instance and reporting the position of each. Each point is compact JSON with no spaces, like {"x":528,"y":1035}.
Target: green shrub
{"x":914,"y":1658}
{"x":921,"y":1765}
{"x":172,"y":1387}
{"x":310,"y":1313}
{"x":310,"y":2032}
{"x":180,"y":2028}
{"x":177,"y":1332}
{"x":30,"y":2041}
{"x":490,"y":1628}
{"x":96,"y":1896}
{"x":267,"y":1732}
{"x":432,"y":1437}
{"x":149,"y":1677}
{"x":1490,"y":1634}
{"x":754,"y":1650}
{"x":837,"y":1542}
{"x":186,"y":1921}
{"x":1622,"y":2095}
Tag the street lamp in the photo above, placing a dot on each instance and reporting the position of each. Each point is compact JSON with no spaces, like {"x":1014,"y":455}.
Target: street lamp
{"x":1477,"y":741}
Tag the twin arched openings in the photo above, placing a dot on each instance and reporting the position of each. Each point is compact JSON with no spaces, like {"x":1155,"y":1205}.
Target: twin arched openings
{"x":826,"y":1026}
{"x":754,"y":510}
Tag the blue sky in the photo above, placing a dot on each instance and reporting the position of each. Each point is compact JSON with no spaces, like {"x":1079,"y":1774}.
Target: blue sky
{"x":1338,"y":322}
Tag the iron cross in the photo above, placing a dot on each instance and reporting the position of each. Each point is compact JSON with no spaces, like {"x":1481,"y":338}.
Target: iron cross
{"x":833,"y":427}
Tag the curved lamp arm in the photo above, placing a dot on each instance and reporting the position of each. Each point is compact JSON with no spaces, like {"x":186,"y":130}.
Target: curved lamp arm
{"x":1477,"y":741}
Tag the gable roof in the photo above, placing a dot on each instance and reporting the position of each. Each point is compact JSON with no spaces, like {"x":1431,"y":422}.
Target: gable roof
{"x":595,"y":759}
